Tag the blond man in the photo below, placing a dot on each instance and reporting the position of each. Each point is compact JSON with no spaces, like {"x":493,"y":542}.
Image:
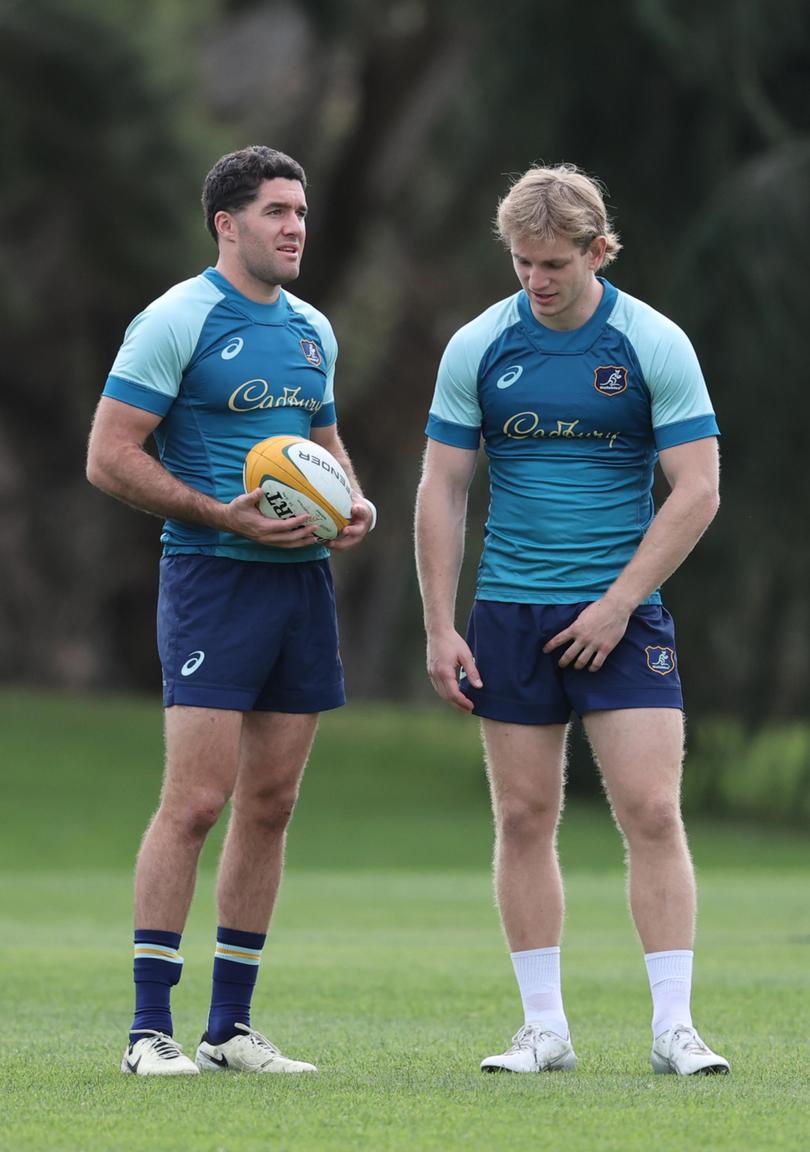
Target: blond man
{"x":576,"y":390}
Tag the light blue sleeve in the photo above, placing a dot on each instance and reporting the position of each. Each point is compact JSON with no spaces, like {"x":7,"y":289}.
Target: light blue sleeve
{"x":681,"y":408}
{"x":455,"y":413}
{"x":159,"y":344}
{"x":318,"y":321}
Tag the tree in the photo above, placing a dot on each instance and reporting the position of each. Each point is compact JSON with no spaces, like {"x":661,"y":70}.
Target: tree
{"x":94,"y":214}
{"x":409,"y":117}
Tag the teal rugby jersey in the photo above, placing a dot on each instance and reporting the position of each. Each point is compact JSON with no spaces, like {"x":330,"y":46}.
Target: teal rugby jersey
{"x":225,"y":372}
{"x":571,"y":423}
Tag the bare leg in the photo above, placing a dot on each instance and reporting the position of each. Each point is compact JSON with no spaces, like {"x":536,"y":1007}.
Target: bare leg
{"x":525,"y":766}
{"x":640,"y":753}
{"x":274,"y":750}
{"x":202,"y":748}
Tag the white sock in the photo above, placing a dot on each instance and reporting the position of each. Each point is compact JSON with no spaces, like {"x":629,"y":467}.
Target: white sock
{"x":538,"y":977}
{"x":670,"y":976}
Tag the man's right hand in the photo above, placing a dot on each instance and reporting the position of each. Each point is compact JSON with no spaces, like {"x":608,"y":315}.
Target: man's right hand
{"x":243,"y":517}
{"x":446,"y":654}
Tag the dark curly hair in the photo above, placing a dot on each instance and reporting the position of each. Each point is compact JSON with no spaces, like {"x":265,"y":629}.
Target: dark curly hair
{"x":234,"y":180}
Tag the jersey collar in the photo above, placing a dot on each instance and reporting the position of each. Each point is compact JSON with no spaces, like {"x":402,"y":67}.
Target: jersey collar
{"x":575,"y":340}
{"x":276,"y":313}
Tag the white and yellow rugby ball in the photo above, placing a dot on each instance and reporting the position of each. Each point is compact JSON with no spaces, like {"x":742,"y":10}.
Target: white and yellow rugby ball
{"x":298,"y":478}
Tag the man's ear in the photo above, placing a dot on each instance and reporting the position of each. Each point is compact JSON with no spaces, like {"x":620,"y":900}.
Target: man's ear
{"x":225,"y":225}
{"x":596,"y":252}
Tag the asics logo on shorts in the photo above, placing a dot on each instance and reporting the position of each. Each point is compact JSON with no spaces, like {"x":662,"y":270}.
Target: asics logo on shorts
{"x":509,"y":377}
{"x":233,"y":348}
{"x":192,"y":664}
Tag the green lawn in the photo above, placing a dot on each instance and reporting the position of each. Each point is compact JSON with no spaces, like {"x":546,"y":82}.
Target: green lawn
{"x":385,"y":964}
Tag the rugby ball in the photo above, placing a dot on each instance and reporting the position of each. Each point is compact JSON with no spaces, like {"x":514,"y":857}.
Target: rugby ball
{"x":299,"y":477}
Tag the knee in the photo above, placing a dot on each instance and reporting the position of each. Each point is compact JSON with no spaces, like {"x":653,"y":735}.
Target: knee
{"x":195,"y":815}
{"x":268,"y":809}
{"x":651,"y":818}
{"x":526,"y":818}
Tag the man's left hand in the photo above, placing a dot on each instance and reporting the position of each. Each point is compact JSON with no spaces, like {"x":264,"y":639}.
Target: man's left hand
{"x":358,"y":527}
{"x":592,"y":636}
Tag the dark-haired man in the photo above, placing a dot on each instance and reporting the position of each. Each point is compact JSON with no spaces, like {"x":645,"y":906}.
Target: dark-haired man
{"x":247,"y":631}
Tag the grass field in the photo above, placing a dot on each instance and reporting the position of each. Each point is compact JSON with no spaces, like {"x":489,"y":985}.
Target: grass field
{"x":385,"y":963}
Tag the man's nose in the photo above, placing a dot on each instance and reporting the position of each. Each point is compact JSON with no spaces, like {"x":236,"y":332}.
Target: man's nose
{"x":293,"y":225}
{"x":538,"y":279}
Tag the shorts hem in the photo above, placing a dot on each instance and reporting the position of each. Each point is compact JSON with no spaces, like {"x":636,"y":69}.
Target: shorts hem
{"x":298,"y":707}
{"x":617,"y":704}
{"x":228,"y":699}
{"x":508,"y":712}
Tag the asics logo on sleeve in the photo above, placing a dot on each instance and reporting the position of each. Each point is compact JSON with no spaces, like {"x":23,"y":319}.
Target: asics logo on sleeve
{"x":510,"y":376}
{"x":233,"y":348}
{"x":192,"y":664}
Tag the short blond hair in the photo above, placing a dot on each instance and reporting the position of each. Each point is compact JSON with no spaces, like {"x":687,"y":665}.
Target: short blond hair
{"x":546,"y":203}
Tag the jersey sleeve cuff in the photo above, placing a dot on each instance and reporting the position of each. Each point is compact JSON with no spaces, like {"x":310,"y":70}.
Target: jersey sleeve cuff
{"x":683,"y":431}
{"x":137,"y":395}
{"x":456,"y":435}
{"x":325,"y":416}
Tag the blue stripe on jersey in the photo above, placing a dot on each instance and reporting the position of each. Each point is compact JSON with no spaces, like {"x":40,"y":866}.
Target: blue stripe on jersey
{"x":325,"y":417}
{"x":457,"y":435}
{"x":684,"y":431}
{"x":138,"y":395}
{"x":225,"y":372}
{"x":571,"y":422}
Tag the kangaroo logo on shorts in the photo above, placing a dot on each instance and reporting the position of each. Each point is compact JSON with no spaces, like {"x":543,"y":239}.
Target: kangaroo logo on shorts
{"x":610,"y":379}
{"x":660,"y":660}
{"x":312,"y":352}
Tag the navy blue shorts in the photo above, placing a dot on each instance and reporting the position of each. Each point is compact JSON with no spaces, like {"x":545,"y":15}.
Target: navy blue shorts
{"x":523,"y":685}
{"x":248,"y":636}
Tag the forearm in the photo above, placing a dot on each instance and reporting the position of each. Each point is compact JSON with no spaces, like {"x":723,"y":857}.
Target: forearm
{"x":441,"y":515}
{"x":329,"y":439}
{"x":136,"y":478}
{"x":342,"y":456}
{"x":678,"y":525}
{"x":440,"y":524}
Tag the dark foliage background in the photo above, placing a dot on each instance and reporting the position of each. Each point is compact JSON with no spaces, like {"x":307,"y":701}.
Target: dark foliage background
{"x":409,"y":117}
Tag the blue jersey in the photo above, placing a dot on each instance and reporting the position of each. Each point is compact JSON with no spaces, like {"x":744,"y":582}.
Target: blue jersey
{"x":224,"y":372}
{"x":572,"y":422}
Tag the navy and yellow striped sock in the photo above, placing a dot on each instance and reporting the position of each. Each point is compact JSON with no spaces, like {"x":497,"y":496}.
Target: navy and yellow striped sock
{"x":236,"y":967}
{"x":157,"y":968}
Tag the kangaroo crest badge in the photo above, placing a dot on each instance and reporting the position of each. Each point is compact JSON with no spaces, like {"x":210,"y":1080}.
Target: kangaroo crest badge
{"x":610,"y":379}
{"x":660,"y":660}
{"x":312,"y":352}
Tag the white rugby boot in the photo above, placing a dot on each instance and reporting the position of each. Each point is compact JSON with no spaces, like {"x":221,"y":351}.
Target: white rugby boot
{"x":681,"y":1051}
{"x":156,"y":1054}
{"x":250,"y":1052}
{"x":534,"y":1049}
